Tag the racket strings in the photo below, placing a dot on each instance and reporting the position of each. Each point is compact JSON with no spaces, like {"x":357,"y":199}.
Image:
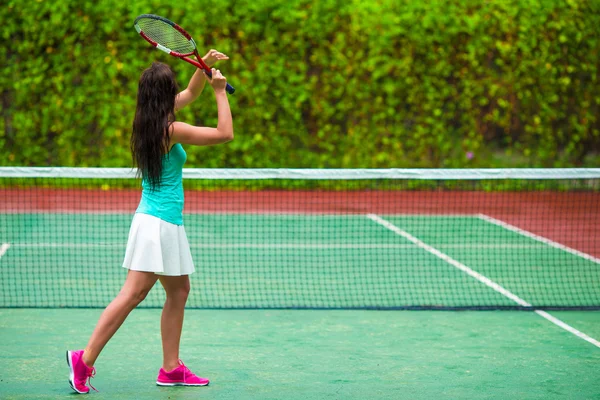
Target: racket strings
{"x":165,"y":35}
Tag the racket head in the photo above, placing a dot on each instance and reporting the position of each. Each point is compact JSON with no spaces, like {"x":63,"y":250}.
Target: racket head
{"x":165,"y":35}
{"x":169,"y":37}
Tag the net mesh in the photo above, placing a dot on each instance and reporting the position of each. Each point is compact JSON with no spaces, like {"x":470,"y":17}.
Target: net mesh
{"x":164,"y":34}
{"x":389,"y":239}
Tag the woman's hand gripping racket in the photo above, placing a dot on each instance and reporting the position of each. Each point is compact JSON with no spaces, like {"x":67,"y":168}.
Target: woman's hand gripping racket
{"x":169,"y":37}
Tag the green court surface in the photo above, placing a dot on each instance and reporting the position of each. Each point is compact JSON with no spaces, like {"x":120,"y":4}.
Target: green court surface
{"x":308,"y":354}
{"x":277,"y":261}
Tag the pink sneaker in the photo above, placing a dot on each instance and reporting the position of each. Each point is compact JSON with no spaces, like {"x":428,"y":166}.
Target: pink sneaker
{"x":180,"y":376}
{"x":80,"y":373}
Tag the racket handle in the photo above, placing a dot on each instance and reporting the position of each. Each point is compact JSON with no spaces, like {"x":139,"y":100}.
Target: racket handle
{"x":230,"y":89}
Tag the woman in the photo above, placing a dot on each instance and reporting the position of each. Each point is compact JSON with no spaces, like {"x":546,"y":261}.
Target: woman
{"x":157,"y":248}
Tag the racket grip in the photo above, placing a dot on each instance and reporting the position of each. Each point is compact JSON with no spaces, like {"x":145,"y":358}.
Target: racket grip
{"x":230,"y":89}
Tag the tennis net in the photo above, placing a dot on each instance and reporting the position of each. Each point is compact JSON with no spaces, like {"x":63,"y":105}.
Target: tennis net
{"x":285,"y":238}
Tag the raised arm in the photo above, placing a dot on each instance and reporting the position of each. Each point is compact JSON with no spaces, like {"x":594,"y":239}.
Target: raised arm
{"x":198,"y":80}
{"x":205,"y":136}
{"x":193,"y":90}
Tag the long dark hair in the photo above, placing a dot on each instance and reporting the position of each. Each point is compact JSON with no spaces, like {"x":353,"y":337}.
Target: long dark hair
{"x":154,"y":114}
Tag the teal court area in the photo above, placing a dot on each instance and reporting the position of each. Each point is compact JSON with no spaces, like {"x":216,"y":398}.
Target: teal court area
{"x":308,"y":354}
{"x":329,"y":266}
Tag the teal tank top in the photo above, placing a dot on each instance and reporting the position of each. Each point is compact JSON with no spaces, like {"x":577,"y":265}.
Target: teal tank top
{"x":166,"y":200}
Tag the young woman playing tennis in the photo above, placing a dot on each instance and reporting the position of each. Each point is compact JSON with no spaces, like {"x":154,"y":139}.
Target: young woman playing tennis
{"x":157,"y":248}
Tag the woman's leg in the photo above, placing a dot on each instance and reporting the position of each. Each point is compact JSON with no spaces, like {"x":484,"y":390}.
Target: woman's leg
{"x":136,"y":287}
{"x":171,"y":323}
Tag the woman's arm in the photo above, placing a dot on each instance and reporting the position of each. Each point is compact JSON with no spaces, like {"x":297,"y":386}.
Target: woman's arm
{"x":193,"y":90}
{"x":205,"y":136}
{"x":198,"y":80}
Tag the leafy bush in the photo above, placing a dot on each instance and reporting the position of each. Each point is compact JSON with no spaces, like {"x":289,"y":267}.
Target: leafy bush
{"x":328,"y":83}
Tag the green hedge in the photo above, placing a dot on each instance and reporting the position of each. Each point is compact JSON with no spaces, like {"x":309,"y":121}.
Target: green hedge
{"x":326,"y":83}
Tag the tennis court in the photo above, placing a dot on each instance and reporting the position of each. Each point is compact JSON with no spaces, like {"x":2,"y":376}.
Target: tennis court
{"x":299,"y":292}
{"x":302,"y":354}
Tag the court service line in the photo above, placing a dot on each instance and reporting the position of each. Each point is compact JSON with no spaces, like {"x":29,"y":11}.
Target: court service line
{"x":481,"y":278}
{"x":4,"y":248}
{"x":538,"y":238}
{"x":325,"y":246}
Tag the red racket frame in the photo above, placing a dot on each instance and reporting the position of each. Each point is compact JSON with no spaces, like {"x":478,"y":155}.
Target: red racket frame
{"x":198,"y":63}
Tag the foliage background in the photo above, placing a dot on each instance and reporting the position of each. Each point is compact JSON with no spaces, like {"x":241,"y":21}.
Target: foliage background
{"x":326,"y":83}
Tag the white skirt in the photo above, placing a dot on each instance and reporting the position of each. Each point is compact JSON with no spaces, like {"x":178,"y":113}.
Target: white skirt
{"x":157,"y":246}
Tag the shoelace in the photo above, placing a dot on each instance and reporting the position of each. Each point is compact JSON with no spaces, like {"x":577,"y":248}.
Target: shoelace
{"x":90,"y":374}
{"x":186,"y":370}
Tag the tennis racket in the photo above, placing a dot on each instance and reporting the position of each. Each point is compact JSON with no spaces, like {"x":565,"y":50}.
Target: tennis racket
{"x":169,"y":37}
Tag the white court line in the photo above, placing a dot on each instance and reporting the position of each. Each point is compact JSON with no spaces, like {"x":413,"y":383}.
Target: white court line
{"x":288,"y":245}
{"x":541,"y":239}
{"x":567,"y":327}
{"x":481,"y":278}
{"x":4,"y":248}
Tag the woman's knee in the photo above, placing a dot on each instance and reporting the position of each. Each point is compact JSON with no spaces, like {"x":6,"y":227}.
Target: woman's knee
{"x":179,"y":293}
{"x":134,"y":297}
